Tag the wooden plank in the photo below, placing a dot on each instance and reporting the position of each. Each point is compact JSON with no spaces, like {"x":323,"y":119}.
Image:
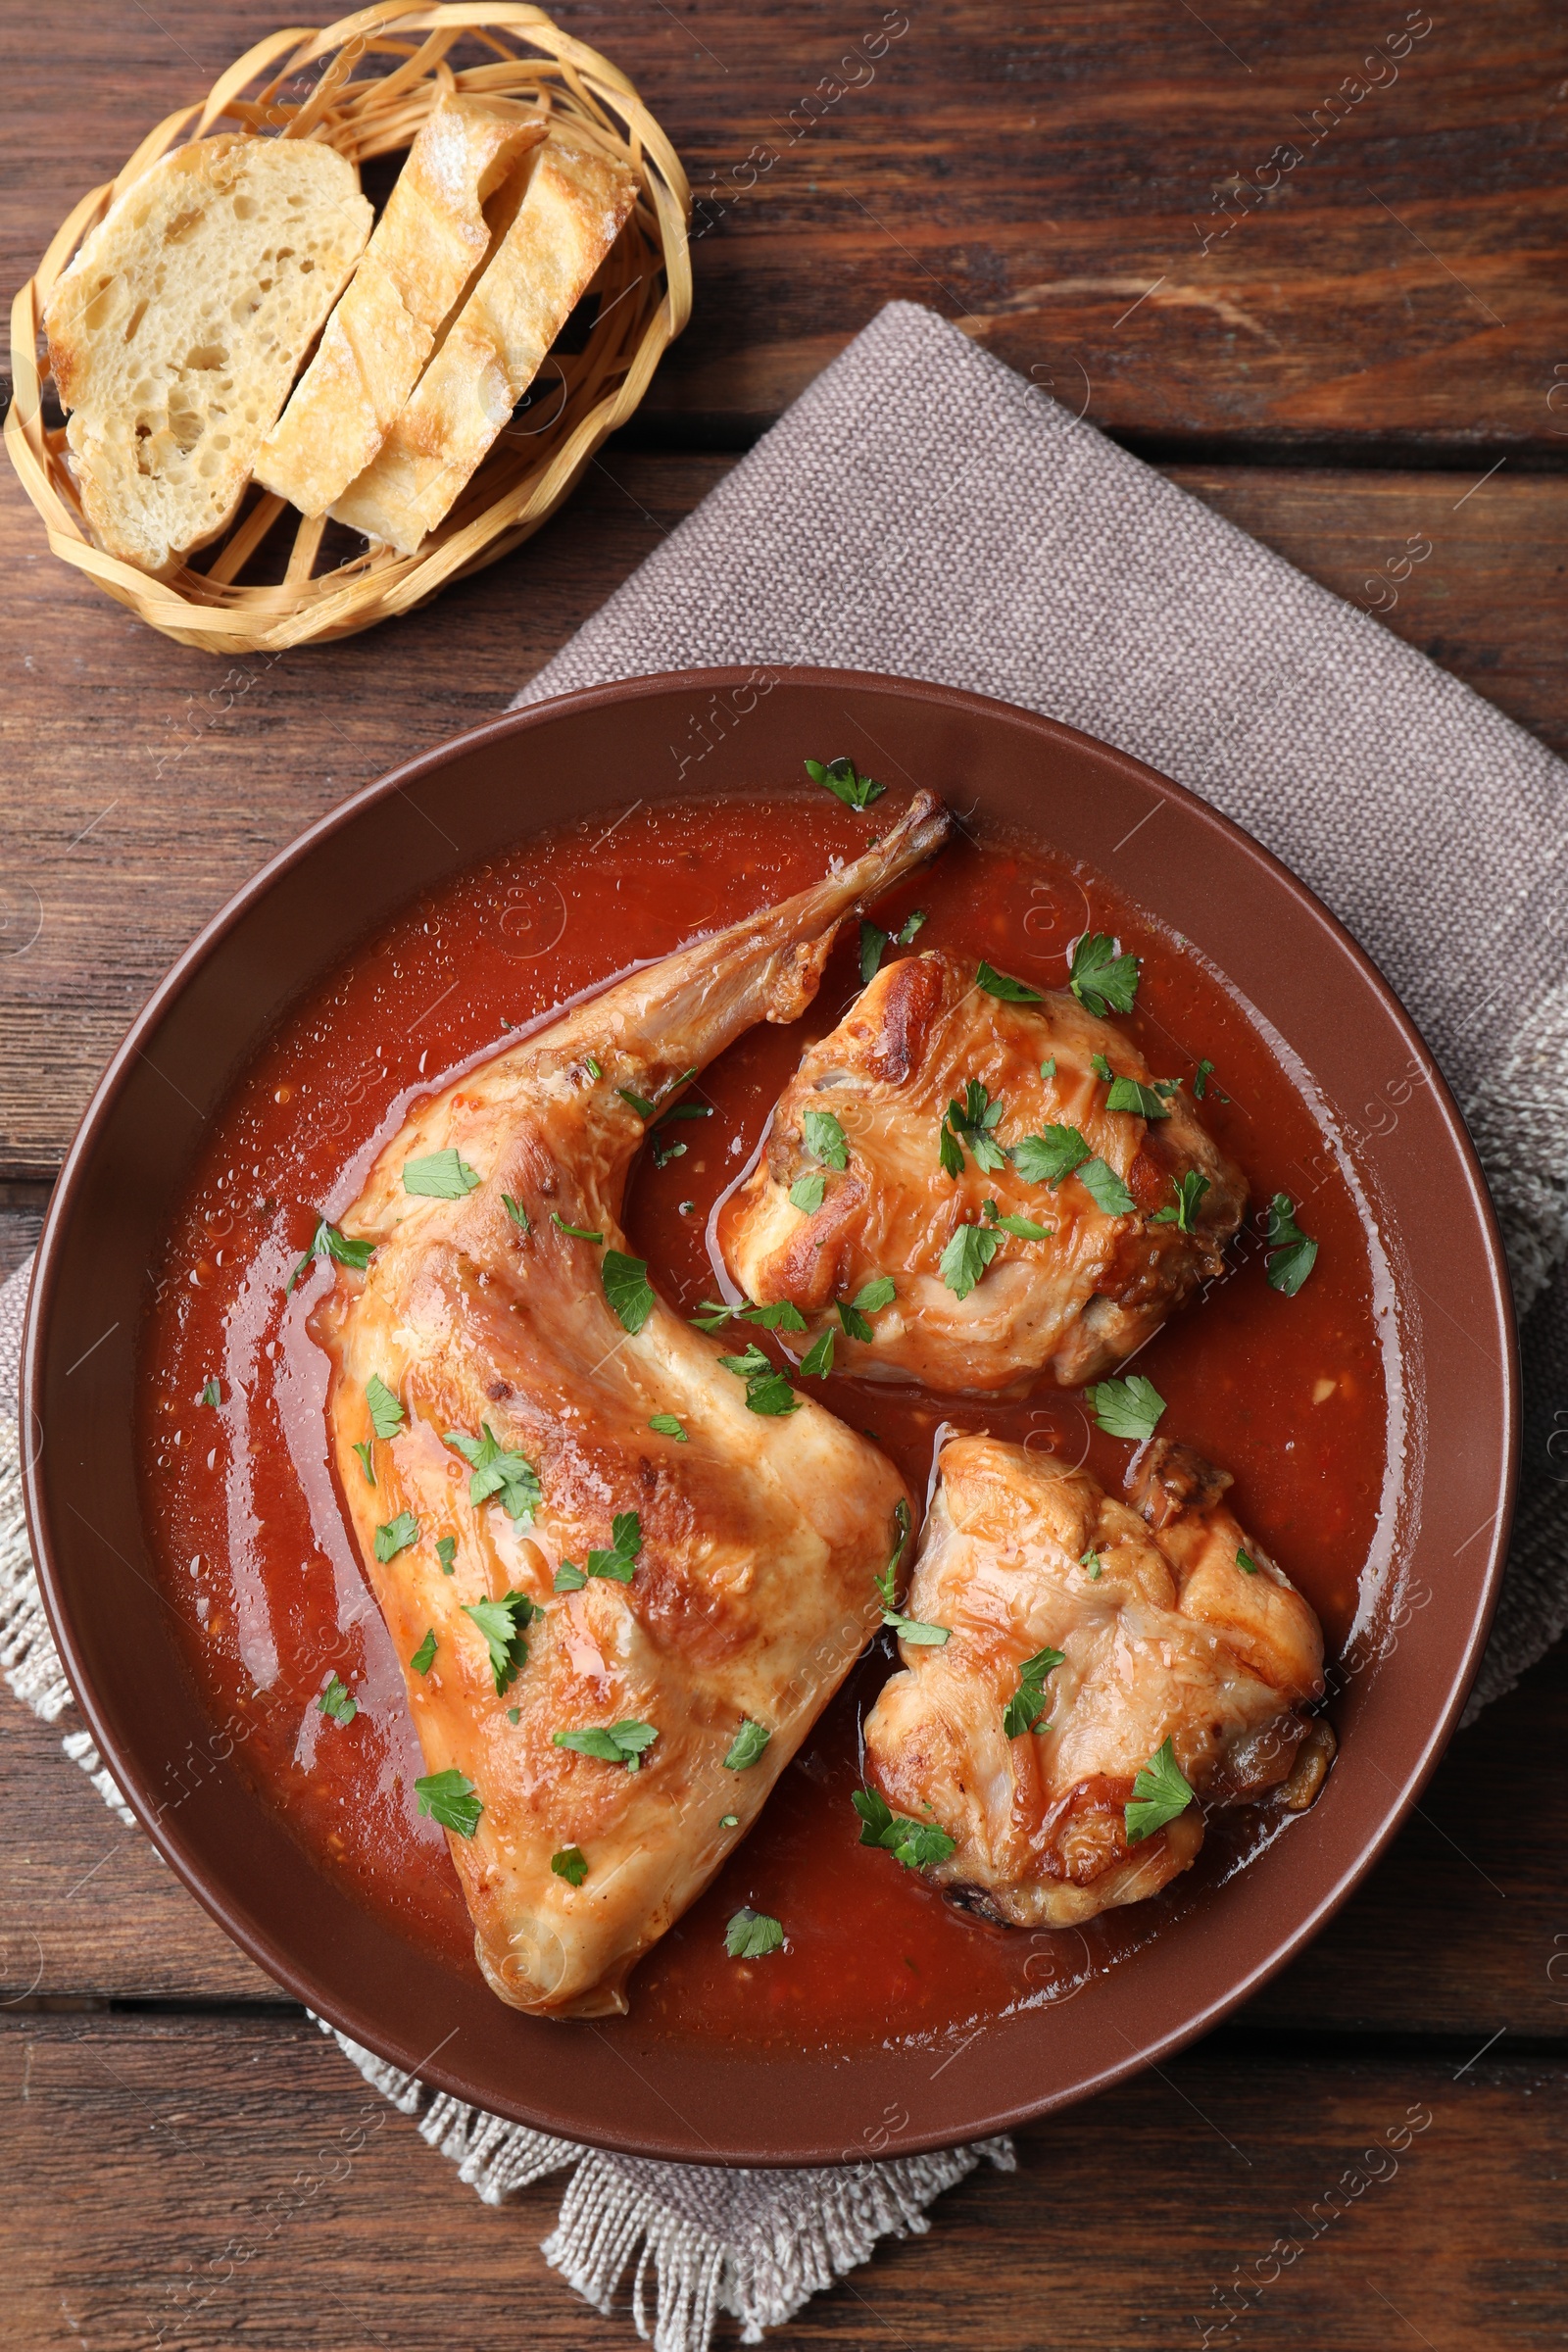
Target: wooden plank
{"x":203,"y":2184}
{"x":91,"y":1913}
{"x":1037,"y":173}
{"x":157,"y":780}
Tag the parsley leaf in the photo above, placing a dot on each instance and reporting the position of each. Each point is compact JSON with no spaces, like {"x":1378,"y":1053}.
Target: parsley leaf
{"x":664,"y":1153}
{"x":1126,"y":1409}
{"x":1010,"y":991}
{"x":1130,"y":1094}
{"x":826,"y":1139}
{"x":967,"y":1256}
{"x":1046,"y":1158}
{"x":446,"y":1552}
{"x":578,"y":1233}
{"x":817,"y":1361}
{"x":753,"y":1934}
{"x":782,"y":1315}
{"x":328,"y":1242}
{"x":970,"y":1122}
{"x":1291,"y":1254}
{"x":746,"y":1745}
{"x":1159,"y":1794}
{"x":911,"y":923}
{"x":386,"y":1415}
{"x":449,"y":1798}
{"x":914,"y":1843}
{"x":908,"y":1629}
{"x":1101,"y":1068}
{"x":628,"y":1289}
{"x":1047,"y":1069}
{"x":806,"y":1193}
{"x":711,"y":1316}
{"x":1190,"y":1191}
{"x":840,"y":777}
{"x":949,"y":1152}
{"x":869,"y":1299}
{"x":1102,"y":979}
{"x":211,"y":1395}
{"x":501,"y":1622}
{"x":1024,"y":1227}
{"x":1247,"y":1564}
{"x":1028,"y":1702}
{"x":1201,"y":1078}
{"x":440,"y":1175}
{"x":336,"y":1702}
{"x":873,"y":942}
{"x":1106,"y":1187}
{"x":362,"y":1449}
{"x":1091,"y":1560}
{"x":766,"y":1389}
{"x":569,"y":1864}
{"x":423,"y":1657}
{"x":517,"y":1212}
{"x":729,"y":1820}
{"x":639,"y":1103}
{"x":497,"y":1472}
{"x":666,"y":1425}
{"x":612,"y":1743}
{"x":396,"y":1536}
{"x":620,"y":1563}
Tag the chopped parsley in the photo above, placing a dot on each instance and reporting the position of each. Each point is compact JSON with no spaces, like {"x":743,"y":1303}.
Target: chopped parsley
{"x":336,"y":1702}
{"x":907,"y":1629}
{"x":591,"y":1065}
{"x":571,"y":1864}
{"x":1291,"y":1254}
{"x":440,"y":1175}
{"x":639,"y":1103}
{"x":825,"y":1138}
{"x":766,"y":1389}
{"x":423,"y":1657}
{"x":1025,"y":1228}
{"x":1126,"y":1409}
{"x":1101,"y":978}
{"x":578,"y":1233}
{"x":967,"y":1256}
{"x":628,"y":1289}
{"x":1247,"y":1565}
{"x":666,"y":1425}
{"x":362,"y":1449}
{"x":513,"y":1714}
{"x":914,"y":1843}
{"x":446,"y":1552}
{"x":612,"y":1743}
{"x":211,"y":1395}
{"x":869,"y":1299}
{"x":1028,"y":1702}
{"x":664,"y":1153}
{"x":782,"y":1315}
{"x":1159,"y":1794}
{"x":451,"y":1798}
{"x":517,"y":1212}
{"x":746,"y":1745}
{"x":806,"y":1193}
{"x":1091,"y":1560}
{"x":328,"y":1242}
{"x":1003,"y":986}
{"x":1047,"y":1069}
{"x":1048,"y":1157}
{"x":729,"y":1820}
{"x":971,"y":1122}
{"x":1144,"y":1102}
{"x":1106,"y":1187}
{"x":386,"y":1415}
{"x":618,"y":1564}
{"x":1101,"y":1068}
{"x":873,"y":942}
{"x":842,"y":778}
{"x":817,"y":1361}
{"x":753,"y":1934}
{"x":1201,"y":1078}
{"x":1190,"y":1191}
{"x":501,"y":1622}
{"x":396,"y":1536}
{"x":495,"y":1471}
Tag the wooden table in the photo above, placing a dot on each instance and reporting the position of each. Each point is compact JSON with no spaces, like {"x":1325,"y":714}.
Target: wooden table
{"x":1368,"y":345}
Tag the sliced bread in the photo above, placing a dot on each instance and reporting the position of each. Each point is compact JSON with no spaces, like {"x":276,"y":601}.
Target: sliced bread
{"x":178,"y":328}
{"x":427,"y":244}
{"x":567,"y":204}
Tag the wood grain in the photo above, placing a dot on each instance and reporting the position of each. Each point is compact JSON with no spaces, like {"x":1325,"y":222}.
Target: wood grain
{"x":219,"y":2197}
{"x":158,"y":780}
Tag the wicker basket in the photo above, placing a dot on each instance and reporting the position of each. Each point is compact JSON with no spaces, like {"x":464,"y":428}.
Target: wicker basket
{"x":364,"y":87}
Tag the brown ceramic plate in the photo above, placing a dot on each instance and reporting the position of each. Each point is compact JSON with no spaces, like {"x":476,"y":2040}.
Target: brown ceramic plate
{"x":303,"y":914}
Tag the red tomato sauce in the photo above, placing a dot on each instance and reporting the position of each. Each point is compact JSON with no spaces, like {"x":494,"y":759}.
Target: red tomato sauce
{"x":1298,"y":1396}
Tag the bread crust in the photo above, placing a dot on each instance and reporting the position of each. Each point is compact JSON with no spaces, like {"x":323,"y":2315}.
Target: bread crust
{"x":568,"y":206}
{"x":428,"y":245}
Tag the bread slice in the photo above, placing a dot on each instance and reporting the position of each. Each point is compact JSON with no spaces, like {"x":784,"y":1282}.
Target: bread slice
{"x":178,"y":328}
{"x":427,"y":244}
{"x":569,"y":210}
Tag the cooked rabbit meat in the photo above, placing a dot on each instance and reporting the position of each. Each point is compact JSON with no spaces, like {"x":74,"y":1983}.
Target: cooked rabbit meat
{"x":1118,"y":1258}
{"x":1172,"y":1624}
{"x":648,"y":1594}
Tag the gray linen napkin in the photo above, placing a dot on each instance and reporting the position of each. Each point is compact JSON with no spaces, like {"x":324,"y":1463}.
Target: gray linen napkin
{"x":921,"y":510}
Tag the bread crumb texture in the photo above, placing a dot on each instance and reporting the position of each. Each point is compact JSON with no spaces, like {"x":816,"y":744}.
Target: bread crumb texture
{"x":177,"y":330}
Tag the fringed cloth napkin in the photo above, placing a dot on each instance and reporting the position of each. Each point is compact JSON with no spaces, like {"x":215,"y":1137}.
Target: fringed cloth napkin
{"x":924,"y":510}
